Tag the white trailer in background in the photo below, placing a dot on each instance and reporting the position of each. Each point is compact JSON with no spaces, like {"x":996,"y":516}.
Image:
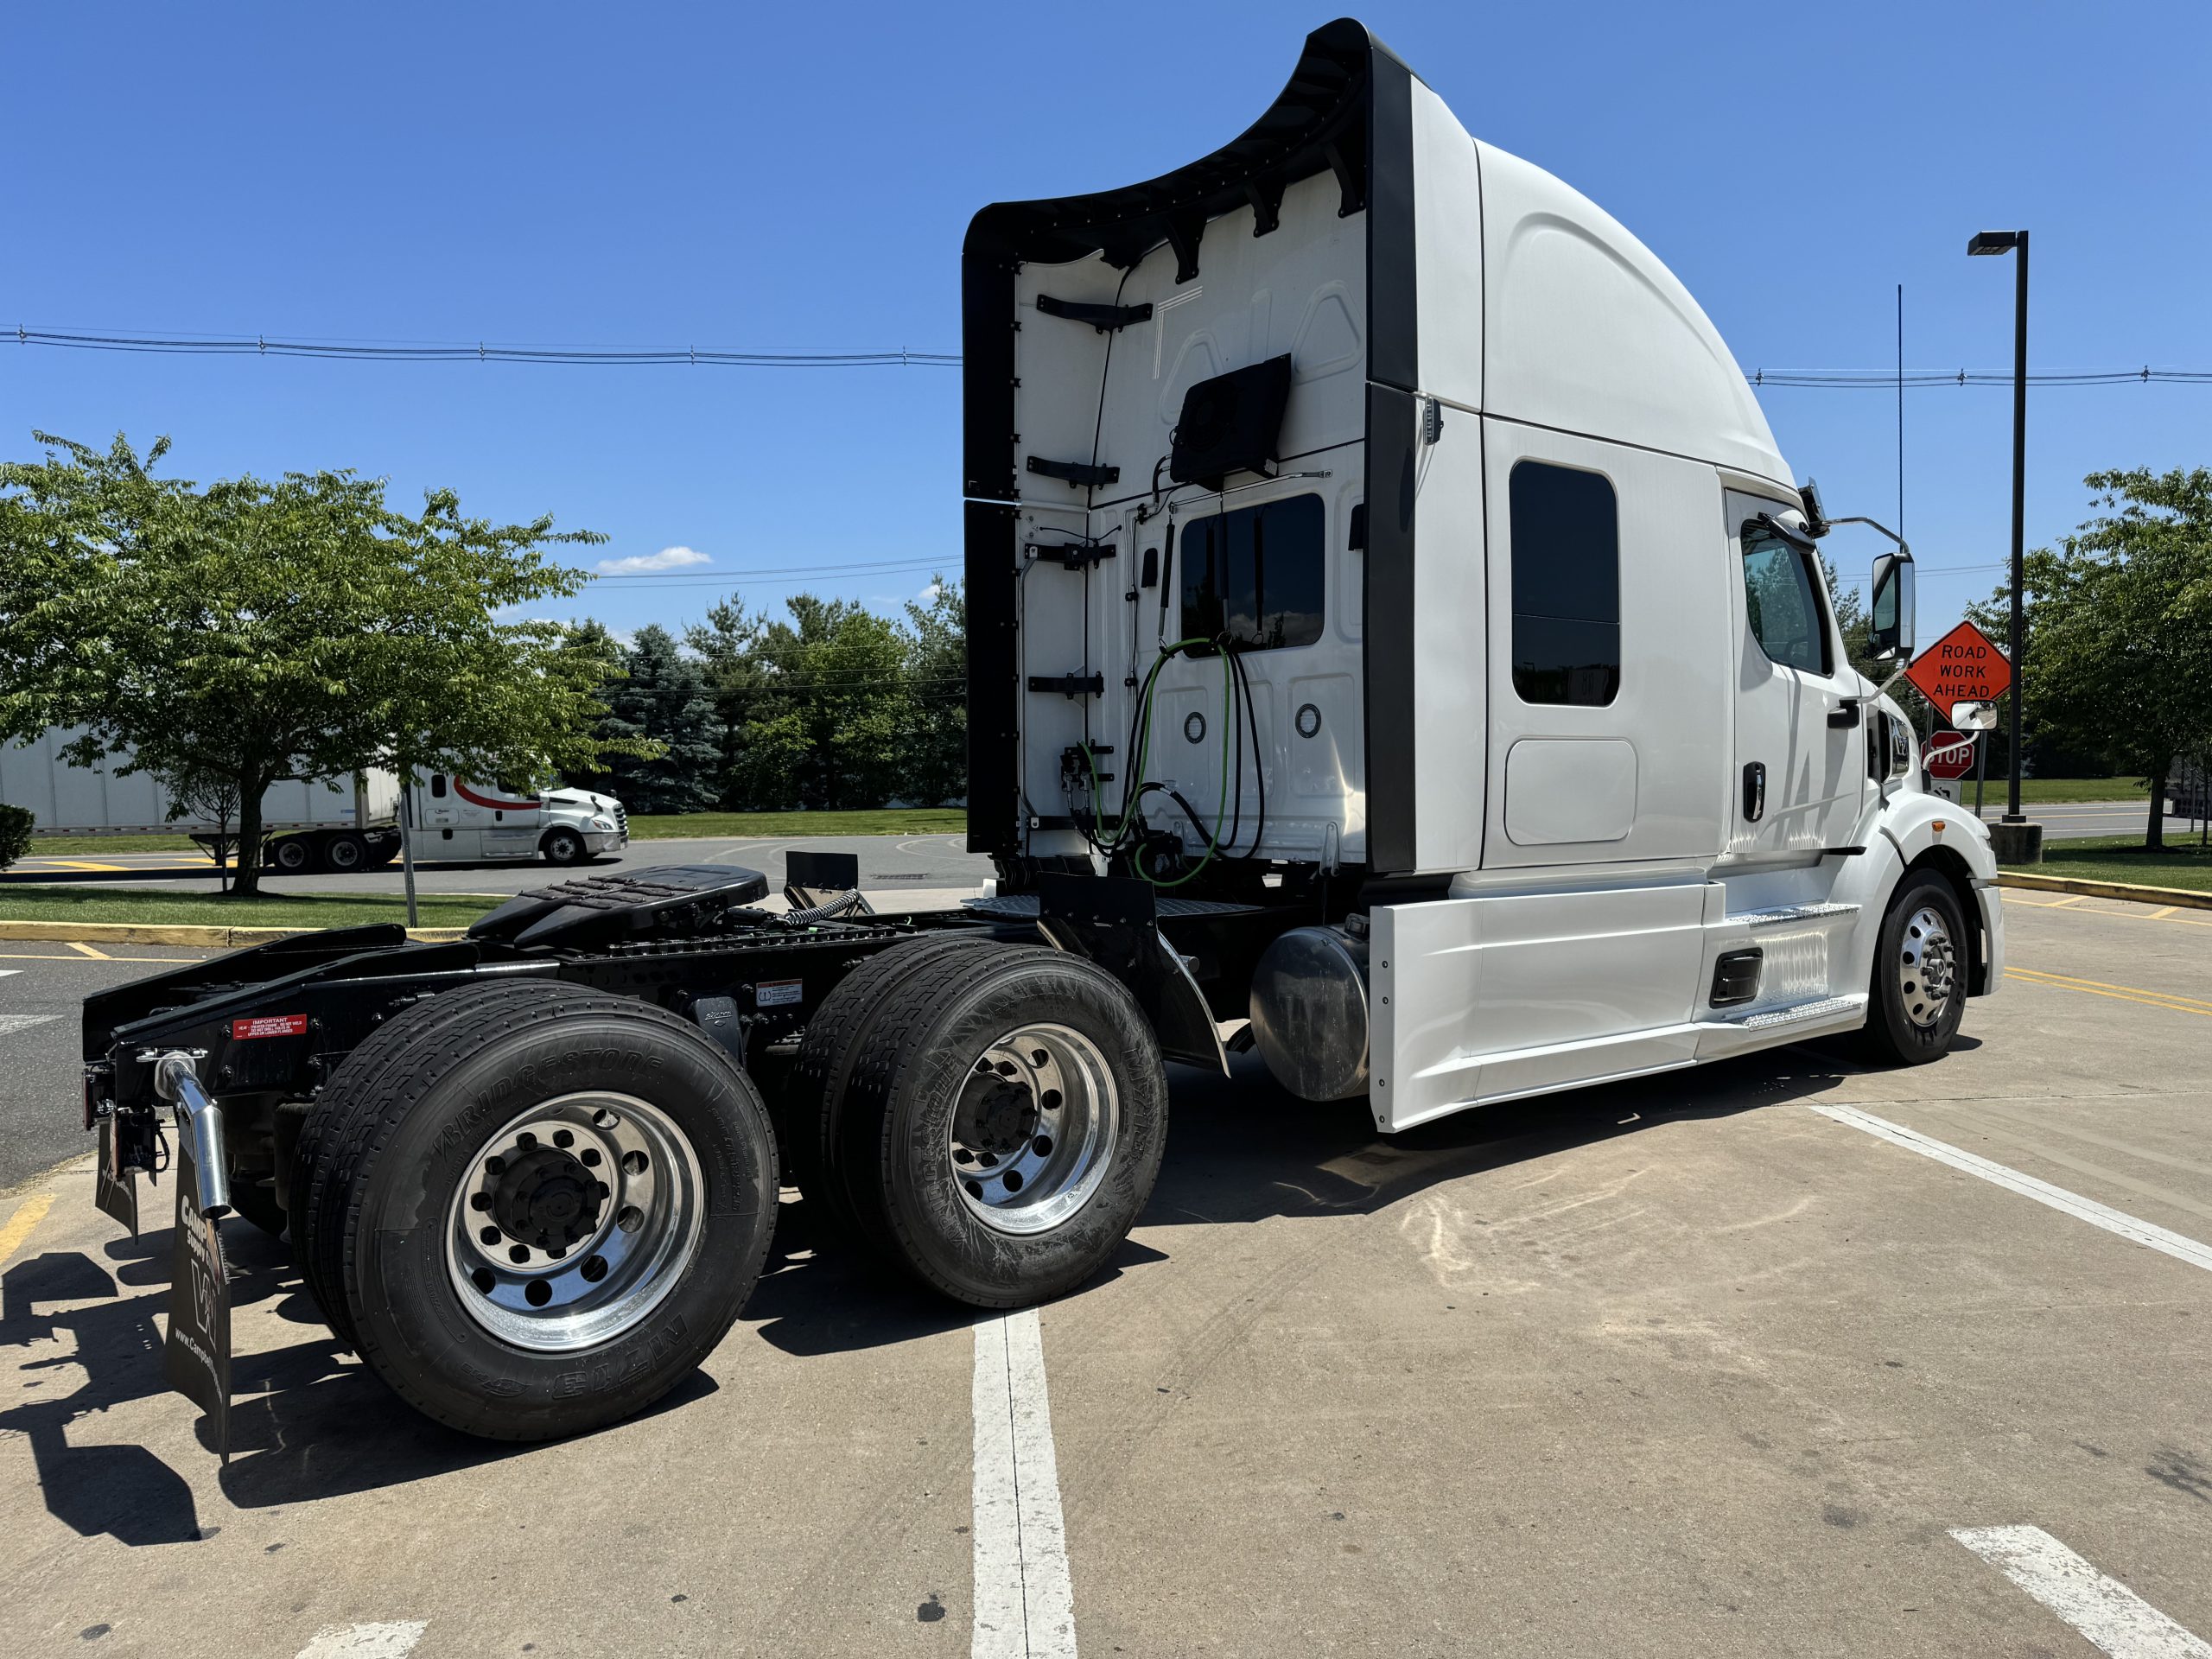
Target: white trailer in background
{"x":339,"y":824}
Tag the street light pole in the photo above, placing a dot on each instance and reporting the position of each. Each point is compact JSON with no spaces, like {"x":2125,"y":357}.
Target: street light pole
{"x":2016,"y":243}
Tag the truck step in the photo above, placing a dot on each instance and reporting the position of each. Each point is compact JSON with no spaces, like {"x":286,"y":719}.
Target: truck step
{"x":1796,"y":1014}
{"x":1786,"y":915}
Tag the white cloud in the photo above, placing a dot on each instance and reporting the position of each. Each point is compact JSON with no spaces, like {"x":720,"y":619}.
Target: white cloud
{"x":669,"y":558}
{"x":929,"y":592}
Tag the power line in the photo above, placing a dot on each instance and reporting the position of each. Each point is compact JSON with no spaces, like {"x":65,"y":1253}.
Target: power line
{"x":698,"y":356}
{"x":1879,"y":380}
{"x":478,"y":351}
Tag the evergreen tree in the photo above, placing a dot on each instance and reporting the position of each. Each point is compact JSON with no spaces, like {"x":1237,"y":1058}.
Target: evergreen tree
{"x":664,"y":701}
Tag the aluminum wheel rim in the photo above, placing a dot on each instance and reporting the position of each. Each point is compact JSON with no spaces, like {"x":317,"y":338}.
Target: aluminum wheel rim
{"x":1034,"y":1128}
{"x":573,"y":1221}
{"x":1927,"y":968}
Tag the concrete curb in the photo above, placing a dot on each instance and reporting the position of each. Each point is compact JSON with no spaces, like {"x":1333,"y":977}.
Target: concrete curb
{"x":220,"y":938}
{"x":2128,"y":891}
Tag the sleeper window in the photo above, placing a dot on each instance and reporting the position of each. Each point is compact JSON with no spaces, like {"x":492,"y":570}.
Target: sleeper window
{"x":1255,"y":574}
{"x":1782,"y":603}
{"x":1567,"y":585}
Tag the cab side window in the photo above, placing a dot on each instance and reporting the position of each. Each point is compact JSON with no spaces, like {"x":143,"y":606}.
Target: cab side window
{"x":438,"y":785}
{"x":1565,"y":523}
{"x":1782,"y":602}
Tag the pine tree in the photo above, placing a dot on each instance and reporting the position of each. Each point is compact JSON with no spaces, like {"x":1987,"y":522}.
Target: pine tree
{"x":664,"y":701}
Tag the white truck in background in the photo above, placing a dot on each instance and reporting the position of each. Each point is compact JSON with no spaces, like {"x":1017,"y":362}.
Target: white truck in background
{"x":337,"y":824}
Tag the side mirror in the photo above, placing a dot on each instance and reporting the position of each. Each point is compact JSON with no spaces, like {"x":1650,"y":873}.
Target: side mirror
{"x":1974,"y":716}
{"x":1889,"y":614}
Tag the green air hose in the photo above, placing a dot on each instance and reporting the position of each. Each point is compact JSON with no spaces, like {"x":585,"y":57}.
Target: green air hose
{"x":1135,"y":777}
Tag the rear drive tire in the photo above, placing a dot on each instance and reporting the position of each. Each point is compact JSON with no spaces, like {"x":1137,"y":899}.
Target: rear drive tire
{"x":811,"y":1102}
{"x":292,"y":854}
{"x":562,"y":848}
{"x":1004,"y":1122}
{"x":1919,"y":991}
{"x":549,"y":1214}
{"x":345,"y":852}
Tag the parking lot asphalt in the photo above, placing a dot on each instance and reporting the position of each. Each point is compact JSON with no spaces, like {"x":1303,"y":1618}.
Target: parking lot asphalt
{"x":887,"y":862}
{"x":1717,"y":1362}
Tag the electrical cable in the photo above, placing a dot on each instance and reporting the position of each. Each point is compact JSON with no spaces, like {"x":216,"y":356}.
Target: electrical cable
{"x":338,"y":349}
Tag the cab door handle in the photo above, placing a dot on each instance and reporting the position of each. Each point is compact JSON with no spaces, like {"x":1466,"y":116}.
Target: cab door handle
{"x":1754,"y":790}
{"x":1845,"y":714}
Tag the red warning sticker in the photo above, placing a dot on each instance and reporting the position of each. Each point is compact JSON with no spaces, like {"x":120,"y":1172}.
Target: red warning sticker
{"x":272,"y":1025}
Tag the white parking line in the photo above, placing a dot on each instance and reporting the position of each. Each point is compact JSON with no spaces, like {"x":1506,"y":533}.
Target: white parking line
{"x":2110,"y":1614}
{"x":1024,"y":1606}
{"x":393,"y":1640}
{"x":2131,"y":1228}
{"x":21,"y":1021}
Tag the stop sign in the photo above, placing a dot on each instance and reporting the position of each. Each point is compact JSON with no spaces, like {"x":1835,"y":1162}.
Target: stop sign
{"x":1950,"y":755}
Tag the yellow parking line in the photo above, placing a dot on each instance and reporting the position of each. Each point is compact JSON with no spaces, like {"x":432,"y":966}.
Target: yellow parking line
{"x":35,"y":956}
{"x":93,"y":952}
{"x":2106,"y":985}
{"x":2125,"y":994}
{"x":19,"y":1226}
{"x":2131,"y":912}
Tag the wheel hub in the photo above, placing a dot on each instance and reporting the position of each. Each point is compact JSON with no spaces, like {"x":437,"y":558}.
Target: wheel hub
{"x":1927,"y":968}
{"x":1033,"y":1128}
{"x":546,"y":1199}
{"x":574,"y":1220}
{"x":1002,"y":1116}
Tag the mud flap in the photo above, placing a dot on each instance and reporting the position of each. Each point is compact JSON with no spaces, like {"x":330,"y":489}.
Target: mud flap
{"x":115,"y":1188}
{"x":1114,"y":922}
{"x":196,"y":1358}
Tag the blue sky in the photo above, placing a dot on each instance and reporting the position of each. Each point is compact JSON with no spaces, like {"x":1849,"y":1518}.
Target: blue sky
{"x":800,"y":179}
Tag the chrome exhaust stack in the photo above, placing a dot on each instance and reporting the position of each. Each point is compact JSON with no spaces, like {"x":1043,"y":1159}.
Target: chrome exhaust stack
{"x":177,"y":1081}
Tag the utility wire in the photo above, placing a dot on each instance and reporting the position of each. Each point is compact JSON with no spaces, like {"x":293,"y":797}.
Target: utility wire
{"x":478,"y":351}
{"x":696,"y":356}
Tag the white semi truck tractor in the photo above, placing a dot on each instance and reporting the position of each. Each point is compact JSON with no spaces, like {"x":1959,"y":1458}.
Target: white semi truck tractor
{"x":1395,"y":644}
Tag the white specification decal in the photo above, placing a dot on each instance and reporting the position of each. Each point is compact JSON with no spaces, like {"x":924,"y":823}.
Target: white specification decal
{"x":778,"y":994}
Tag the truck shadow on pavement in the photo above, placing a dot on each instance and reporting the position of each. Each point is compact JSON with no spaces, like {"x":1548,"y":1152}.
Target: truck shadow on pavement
{"x":1243,"y":1149}
{"x":310,"y":1423}
{"x":307,"y":1420}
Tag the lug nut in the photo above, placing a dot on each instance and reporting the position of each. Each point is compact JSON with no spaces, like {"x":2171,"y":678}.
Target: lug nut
{"x":1042,"y":1146}
{"x":590,"y":1156}
{"x":490,"y":1235}
{"x":563,"y":1139}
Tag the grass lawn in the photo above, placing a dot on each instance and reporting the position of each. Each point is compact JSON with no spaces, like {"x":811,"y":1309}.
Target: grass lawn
{"x":39,"y":904}
{"x":643,"y":826}
{"x":2122,"y":858}
{"x":2055,"y":791}
{"x":883,"y":821}
{"x":69,"y":845}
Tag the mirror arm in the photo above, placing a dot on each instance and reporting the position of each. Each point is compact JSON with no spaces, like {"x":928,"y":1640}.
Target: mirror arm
{"x":1878,"y":529}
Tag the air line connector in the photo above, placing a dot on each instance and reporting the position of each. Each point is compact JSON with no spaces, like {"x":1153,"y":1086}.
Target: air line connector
{"x":177,"y":1081}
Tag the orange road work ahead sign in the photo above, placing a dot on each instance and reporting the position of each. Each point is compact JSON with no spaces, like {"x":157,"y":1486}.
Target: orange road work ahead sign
{"x":1961,"y":667}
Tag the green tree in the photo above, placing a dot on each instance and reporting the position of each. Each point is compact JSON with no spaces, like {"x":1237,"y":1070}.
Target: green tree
{"x":727,"y":645}
{"x":937,"y":696}
{"x":299,"y":628}
{"x":2119,"y":625}
{"x":662,"y":703}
